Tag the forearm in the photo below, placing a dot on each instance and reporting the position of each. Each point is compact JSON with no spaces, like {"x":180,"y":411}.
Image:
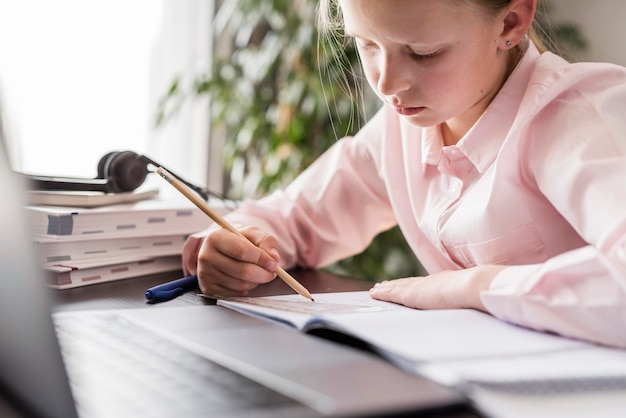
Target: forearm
{"x":580,"y":294}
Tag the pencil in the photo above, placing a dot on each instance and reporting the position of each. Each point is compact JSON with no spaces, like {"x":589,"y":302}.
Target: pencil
{"x":204,"y":207}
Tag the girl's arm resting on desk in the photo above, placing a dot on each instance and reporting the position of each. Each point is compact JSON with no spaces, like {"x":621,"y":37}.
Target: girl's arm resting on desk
{"x":576,"y":159}
{"x":580,"y":294}
{"x":450,"y":289}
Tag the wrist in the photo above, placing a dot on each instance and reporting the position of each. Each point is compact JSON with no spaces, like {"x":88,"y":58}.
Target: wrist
{"x":478,"y":280}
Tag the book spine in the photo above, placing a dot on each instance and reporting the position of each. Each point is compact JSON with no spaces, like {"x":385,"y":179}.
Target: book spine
{"x":74,"y":227}
{"x":60,"y":225}
{"x":99,"y":252}
{"x":83,"y":277}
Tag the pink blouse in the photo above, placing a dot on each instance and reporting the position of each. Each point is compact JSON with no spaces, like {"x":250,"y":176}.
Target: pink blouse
{"x":538,"y":184}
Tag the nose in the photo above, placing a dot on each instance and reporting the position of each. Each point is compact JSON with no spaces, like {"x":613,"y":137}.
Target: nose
{"x":393,"y":77}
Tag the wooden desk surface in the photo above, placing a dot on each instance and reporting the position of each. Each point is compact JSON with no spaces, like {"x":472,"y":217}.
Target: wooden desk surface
{"x":130,"y":293}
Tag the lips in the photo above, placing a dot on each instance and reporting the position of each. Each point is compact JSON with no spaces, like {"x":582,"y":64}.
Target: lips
{"x":408,"y":111}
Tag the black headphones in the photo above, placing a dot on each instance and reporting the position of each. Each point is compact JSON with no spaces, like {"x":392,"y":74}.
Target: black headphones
{"x":118,"y":172}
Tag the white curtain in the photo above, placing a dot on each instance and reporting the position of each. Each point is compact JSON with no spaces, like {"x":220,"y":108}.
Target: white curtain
{"x":183,"y":48}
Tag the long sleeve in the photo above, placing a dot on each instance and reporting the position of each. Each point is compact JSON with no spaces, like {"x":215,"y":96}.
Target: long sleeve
{"x":332,"y":210}
{"x":577,"y":160}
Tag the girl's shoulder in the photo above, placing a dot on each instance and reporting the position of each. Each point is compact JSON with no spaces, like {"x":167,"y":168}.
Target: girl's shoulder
{"x":553,"y":76}
{"x":567,"y":106}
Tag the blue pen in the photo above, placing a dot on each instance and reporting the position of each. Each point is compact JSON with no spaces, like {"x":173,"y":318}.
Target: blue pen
{"x":170,"y":290}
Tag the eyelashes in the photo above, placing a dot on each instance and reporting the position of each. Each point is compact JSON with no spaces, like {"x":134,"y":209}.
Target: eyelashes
{"x":420,"y":57}
{"x":370,"y":48}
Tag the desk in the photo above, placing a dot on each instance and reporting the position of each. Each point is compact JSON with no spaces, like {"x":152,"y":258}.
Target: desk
{"x":130,"y":294}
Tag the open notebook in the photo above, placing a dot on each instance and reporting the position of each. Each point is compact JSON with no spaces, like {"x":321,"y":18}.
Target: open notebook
{"x":154,"y":362}
{"x":460,"y":348}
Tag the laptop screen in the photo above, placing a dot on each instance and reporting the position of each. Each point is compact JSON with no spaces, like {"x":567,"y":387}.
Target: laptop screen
{"x":32,"y":375}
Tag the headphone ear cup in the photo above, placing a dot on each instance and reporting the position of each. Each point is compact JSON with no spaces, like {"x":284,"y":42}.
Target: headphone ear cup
{"x":125,"y":171}
{"x":102,"y":164}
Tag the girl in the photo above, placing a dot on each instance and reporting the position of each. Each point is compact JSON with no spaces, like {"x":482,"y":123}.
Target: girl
{"x":503,"y":166}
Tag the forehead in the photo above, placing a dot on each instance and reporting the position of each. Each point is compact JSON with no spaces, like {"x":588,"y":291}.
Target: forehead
{"x":418,"y":19}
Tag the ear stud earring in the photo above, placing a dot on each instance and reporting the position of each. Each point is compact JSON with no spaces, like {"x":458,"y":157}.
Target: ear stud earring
{"x":509,"y":43}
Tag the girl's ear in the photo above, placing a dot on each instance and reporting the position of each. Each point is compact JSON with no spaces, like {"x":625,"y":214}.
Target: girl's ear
{"x":517,"y":20}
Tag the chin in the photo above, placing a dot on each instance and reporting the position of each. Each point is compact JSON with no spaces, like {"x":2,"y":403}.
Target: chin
{"x":421,"y":121}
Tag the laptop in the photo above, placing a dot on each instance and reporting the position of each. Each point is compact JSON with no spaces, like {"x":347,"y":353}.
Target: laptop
{"x":153,"y":362}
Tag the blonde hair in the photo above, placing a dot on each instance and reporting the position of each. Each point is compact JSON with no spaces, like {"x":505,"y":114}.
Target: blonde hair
{"x":330,"y":19}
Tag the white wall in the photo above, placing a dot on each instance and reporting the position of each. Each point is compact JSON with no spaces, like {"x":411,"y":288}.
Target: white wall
{"x":603,"y":24}
{"x":183,"y":47}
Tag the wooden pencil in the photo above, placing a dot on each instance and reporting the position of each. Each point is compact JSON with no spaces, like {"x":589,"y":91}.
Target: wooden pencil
{"x":203,"y":206}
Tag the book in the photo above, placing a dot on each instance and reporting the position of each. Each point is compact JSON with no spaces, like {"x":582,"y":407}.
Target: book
{"x":457,"y":347}
{"x":86,"y":199}
{"x":102,"y":251}
{"x":158,"y":216}
{"x":66,"y":277}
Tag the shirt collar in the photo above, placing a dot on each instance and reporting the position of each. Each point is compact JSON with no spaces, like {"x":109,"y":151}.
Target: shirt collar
{"x":482,"y":142}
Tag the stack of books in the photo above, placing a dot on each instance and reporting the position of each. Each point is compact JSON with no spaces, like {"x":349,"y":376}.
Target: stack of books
{"x":78,"y":246}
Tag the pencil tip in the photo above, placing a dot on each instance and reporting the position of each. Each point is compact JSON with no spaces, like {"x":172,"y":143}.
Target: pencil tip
{"x":312,"y":300}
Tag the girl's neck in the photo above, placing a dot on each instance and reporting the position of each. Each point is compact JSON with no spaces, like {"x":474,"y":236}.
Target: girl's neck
{"x":452,"y":132}
{"x":454,"y":129}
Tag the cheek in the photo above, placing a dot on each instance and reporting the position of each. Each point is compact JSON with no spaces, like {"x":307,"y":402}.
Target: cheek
{"x":437,"y":86}
{"x":372,"y":74}
{"x":449,"y":82}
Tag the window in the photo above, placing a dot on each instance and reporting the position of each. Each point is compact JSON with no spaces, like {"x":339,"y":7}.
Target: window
{"x":79,"y":79}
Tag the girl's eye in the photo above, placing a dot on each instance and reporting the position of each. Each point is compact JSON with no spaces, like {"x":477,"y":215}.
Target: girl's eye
{"x":366,"y":46}
{"x":417,"y":56}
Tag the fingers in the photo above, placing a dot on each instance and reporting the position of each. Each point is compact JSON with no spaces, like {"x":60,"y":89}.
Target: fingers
{"x":230,"y":265}
{"x":414,"y":292}
{"x":267,"y":244}
{"x":190,"y":253}
{"x":216,"y":283}
{"x":392,"y":291}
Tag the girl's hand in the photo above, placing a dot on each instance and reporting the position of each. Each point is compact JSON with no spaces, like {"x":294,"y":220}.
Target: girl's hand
{"x":228,"y":265}
{"x":444,"y":290}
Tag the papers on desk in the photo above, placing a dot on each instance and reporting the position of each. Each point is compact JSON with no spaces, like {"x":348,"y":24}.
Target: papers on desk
{"x":453,"y":347}
{"x":79,"y":246}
